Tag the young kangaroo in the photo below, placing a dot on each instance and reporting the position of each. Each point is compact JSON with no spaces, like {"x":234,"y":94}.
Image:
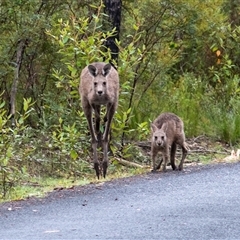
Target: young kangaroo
{"x":167,"y":131}
{"x":99,"y":85}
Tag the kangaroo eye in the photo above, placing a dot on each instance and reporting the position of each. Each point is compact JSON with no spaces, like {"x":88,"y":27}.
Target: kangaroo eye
{"x":104,"y":83}
{"x":95,"y":83}
{"x":155,"y":138}
{"x":162,"y":137}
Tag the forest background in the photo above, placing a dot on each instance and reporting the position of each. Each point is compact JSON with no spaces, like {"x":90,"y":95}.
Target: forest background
{"x":177,"y":55}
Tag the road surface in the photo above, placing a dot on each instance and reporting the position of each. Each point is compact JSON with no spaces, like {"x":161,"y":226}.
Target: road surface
{"x":201,"y":202}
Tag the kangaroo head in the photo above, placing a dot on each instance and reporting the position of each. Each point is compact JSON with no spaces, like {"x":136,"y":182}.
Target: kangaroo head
{"x":100,"y":78}
{"x":159,"y":137}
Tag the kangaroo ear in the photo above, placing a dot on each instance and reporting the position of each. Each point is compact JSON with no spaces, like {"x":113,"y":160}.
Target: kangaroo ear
{"x":93,"y":70}
{"x":106,"y":69}
{"x":153,"y":127}
{"x":164,"y":127}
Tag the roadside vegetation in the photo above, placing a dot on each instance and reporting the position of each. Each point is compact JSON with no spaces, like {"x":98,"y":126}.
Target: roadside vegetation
{"x":179,"y":56}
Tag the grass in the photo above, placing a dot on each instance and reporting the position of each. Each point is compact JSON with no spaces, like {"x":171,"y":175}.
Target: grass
{"x":41,"y":186}
{"x":203,"y":151}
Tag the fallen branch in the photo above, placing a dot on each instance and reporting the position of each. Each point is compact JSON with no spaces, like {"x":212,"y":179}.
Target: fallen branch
{"x":191,"y":146}
{"x":143,"y":144}
{"x":129,"y":164}
{"x":205,"y":151}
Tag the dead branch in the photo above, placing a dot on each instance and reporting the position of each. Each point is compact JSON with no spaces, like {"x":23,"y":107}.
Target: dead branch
{"x":194,"y":148}
{"x":129,"y":164}
{"x":205,"y":151}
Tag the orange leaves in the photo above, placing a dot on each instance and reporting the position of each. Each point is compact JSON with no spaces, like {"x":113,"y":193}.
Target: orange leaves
{"x":218,"y":54}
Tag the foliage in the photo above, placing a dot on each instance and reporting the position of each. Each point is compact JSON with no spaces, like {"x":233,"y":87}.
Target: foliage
{"x":12,"y":168}
{"x":176,"y":55}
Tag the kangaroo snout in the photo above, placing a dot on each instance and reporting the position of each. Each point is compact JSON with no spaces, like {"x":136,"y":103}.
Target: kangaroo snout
{"x":159,"y":139}
{"x":99,"y":93}
{"x":158,"y":143}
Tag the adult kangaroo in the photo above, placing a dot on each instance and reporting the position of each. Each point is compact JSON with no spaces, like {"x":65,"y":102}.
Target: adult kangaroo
{"x":99,"y":85}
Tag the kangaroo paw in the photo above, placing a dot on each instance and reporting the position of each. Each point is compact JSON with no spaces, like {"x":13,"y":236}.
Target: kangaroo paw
{"x":96,"y":167}
{"x":180,"y":168}
{"x":174,"y":167}
{"x":105,"y":166}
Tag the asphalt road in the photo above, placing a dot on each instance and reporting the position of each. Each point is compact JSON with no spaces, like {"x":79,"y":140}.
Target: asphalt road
{"x":198,"y":203}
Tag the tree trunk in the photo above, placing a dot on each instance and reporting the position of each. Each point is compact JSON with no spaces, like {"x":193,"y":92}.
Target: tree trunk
{"x":113,"y":10}
{"x":20,"y":52}
{"x":234,"y":13}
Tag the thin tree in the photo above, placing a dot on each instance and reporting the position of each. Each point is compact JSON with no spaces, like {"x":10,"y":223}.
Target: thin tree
{"x":19,"y":58}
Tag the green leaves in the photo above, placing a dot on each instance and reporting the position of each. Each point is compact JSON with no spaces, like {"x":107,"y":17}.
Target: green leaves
{"x":176,"y":55}
{"x":10,"y":174}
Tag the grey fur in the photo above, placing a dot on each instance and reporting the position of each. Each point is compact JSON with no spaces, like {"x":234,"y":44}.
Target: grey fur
{"x":99,"y":85}
{"x":167,"y":132}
